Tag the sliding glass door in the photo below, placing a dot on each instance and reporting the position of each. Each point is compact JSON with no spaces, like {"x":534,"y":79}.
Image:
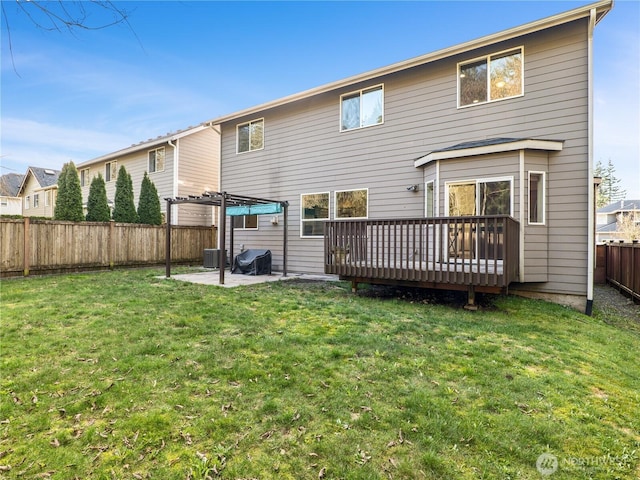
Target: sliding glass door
{"x":477,"y":197}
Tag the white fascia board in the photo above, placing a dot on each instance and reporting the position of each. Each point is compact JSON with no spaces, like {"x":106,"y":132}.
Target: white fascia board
{"x":144,"y":145}
{"x":529,"y":144}
{"x":602,"y":7}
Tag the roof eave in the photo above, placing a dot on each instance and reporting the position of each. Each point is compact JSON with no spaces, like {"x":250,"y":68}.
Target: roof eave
{"x":601,"y":7}
{"x":526,"y":144}
{"x":143,"y":146}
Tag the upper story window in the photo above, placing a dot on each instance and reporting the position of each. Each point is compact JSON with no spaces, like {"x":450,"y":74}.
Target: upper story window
{"x":156,"y":160}
{"x":491,"y":78}
{"x":362,"y":108}
{"x":27,"y":202}
{"x":250,"y":136}
{"x":110,"y":171}
{"x":314,"y":210}
{"x":352,"y":204}
{"x":84,"y":177}
{"x":36,"y":200}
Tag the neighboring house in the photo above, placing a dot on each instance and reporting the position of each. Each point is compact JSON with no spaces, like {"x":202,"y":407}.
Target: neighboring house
{"x":501,"y":125}
{"x":179,"y":164}
{"x":10,"y":202}
{"x":607,"y":219}
{"x":38,"y":191}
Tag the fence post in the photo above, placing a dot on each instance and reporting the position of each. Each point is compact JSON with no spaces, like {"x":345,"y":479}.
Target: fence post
{"x":27,"y":247}
{"x":112,"y":246}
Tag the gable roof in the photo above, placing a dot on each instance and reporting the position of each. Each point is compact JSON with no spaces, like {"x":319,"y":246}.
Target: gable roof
{"x":620,"y":206}
{"x":600,"y":8}
{"x":147,"y":144}
{"x":46,"y":177}
{"x":10,"y":184}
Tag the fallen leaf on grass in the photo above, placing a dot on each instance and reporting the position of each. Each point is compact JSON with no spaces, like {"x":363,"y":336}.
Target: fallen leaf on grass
{"x":267,"y":434}
{"x":322,"y":472}
{"x":55,"y":443}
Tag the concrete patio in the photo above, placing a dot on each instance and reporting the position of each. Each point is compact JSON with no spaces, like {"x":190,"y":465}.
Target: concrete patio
{"x":212,"y":277}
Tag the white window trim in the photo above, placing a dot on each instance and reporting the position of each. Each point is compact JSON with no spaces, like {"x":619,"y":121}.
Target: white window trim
{"x":478,"y":181}
{"x":544,"y":197}
{"x":372,"y":87}
{"x":27,"y":202}
{"x":112,"y":179}
{"x":36,"y":200}
{"x":426,"y":193}
{"x":163,"y":160}
{"x":302,"y":220}
{"x":335,"y":204}
{"x":472,"y":60}
{"x":238,"y":152}
{"x":86,"y":177}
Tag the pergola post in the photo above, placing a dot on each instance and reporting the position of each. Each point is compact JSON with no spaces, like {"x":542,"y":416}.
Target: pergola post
{"x":167,"y":255}
{"x":284,"y":240}
{"x":222,"y":261}
{"x":231,"y":240}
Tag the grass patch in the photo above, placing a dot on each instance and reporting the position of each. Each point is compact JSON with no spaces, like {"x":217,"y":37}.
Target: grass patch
{"x":125,"y":375}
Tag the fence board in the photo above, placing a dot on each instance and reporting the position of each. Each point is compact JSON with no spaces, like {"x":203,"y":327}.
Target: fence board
{"x":71,"y":246}
{"x":622,"y":265}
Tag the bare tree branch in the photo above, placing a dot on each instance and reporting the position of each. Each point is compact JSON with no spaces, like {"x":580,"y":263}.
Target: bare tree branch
{"x":69,"y":16}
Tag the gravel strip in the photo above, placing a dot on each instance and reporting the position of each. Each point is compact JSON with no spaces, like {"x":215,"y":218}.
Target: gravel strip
{"x":608,"y":300}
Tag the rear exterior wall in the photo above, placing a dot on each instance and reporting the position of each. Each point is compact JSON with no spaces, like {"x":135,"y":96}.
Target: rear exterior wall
{"x":305,"y":151}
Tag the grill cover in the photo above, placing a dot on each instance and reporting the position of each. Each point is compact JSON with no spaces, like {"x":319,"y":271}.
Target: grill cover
{"x":253,"y":262}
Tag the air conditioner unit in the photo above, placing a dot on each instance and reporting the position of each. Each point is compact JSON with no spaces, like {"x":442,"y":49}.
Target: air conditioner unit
{"x":212,"y":257}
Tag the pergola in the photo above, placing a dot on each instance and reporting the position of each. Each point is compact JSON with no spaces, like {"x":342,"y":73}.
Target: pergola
{"x":230,"y":205}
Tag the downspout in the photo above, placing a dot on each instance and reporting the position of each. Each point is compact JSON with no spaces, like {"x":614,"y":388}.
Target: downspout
{"x":175,"y":177}
{"x":590,"y":189}
{"x":521,"y":218}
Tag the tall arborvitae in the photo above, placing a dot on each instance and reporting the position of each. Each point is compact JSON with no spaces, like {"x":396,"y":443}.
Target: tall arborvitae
{"x":60,"y":209}
{"x":97,"y":203}
{"x":124,"y":209}
{"x":69,"y":198}
{"x":149,"y":203}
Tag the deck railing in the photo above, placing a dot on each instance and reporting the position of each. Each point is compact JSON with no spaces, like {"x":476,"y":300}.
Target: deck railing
{"x":477,"y":250}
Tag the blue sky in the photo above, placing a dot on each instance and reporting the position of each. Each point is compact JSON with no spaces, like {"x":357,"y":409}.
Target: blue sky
{"x":79,"y":95}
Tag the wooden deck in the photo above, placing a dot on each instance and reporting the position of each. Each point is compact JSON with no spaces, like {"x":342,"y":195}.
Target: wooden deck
{"x":477,"y":253}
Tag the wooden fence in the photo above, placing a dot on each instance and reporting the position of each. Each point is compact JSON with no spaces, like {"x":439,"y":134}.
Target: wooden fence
{"x":44,"y":246}
{"x":621,"y":265}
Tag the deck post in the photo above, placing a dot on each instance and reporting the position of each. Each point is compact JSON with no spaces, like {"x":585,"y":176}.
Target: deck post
{"x":354,"y":286}
{"x":471,"y":299}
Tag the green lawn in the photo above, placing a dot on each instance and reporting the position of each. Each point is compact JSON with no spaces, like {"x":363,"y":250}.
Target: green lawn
{"x":122,"y":375}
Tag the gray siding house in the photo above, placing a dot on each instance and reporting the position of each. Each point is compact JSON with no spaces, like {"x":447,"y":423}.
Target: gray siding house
{"x":179,"y":164}
{"x":478,"y":156}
